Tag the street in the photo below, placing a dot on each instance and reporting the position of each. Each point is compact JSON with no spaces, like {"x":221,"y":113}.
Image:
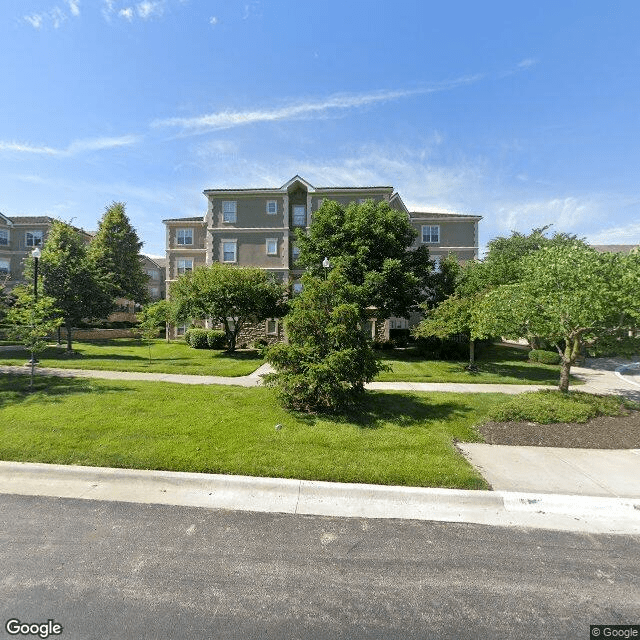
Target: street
{"x":118,"y":570}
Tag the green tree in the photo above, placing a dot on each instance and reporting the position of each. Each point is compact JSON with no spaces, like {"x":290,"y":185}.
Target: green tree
{"x":231,"y":296}
{"x":370,"y":244}
{"x":328,"y":359}
{"x":69,"y":279}
{"x":565,"y":294}
{"x":115,"y":255}
{"x":150,"y":319}
{"x":32,"y":321}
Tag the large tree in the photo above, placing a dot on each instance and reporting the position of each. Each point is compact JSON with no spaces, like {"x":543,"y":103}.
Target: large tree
{"x":231,"y":296}
{"x":566,"y":294}
{"x":115,"y":255}
{"x":69,"y":279}
{"x":370,"y":244}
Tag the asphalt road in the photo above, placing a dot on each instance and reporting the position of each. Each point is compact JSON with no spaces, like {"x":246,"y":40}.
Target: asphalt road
{"x":117,"y":571}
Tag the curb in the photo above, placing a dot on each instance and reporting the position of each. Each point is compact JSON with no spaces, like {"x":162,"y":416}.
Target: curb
{"x":331,"y":499}
{"x":620,"y":372}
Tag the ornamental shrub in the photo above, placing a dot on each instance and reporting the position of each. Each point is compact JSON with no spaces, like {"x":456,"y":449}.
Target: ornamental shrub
{"x":216,"y":339}
{"x":544,"y":357}
{"x":196,"y":338}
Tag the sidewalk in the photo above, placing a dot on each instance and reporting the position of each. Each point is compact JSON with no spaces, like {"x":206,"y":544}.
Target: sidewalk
{"x":563,"y":489}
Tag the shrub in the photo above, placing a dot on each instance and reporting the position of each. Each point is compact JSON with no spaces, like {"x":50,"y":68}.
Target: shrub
{"x":196,"y":338}
{"x":216,"y":339}
{"x":551,"y":405}
{"x":399,"y":337}
{"x":433,"y":348}
{"x":618,"y":344}
{"x":544,"y":357}
{"x":383,"y":345}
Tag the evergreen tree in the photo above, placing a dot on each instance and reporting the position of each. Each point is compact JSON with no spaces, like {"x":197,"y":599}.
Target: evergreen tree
{"x":115,"y":255}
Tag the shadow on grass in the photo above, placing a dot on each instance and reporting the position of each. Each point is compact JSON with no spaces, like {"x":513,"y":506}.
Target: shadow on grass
{"x":401,"y":409}
{"x":15,"y":389}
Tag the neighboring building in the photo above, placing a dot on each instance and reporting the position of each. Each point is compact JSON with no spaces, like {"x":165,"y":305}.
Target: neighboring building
{"x":19,"y":236}
{"x":156,"y":286}
{"x":256,"y":228}
{"x":616,"y":248}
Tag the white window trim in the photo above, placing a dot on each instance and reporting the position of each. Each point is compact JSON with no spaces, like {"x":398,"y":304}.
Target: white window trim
{"x":430,"y":226}
{"x":181,"y":329}
{"x":293,"y":217}
{"x":185,"y":270}
{"x":4,"y":233}
{"x":225,"y":212}
{"x":266,"y":327}
{"x":275,"y":241}
{"x":235,"y":250}
{"x":35,"y":234}
{"x":184,"y":233}
{"x":272,"y":213}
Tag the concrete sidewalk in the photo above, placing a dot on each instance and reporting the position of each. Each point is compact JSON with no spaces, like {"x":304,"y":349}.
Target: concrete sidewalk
{"x":301,"y":497}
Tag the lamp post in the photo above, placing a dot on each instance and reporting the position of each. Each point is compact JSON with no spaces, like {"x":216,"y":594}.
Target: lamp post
{"x":36,"y":253}
{"x":326,"y":264}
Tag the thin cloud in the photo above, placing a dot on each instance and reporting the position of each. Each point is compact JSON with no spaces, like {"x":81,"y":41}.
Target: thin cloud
{"x":526,"y":63}
{"x":74,"y":7}
{"x":230,"y":119}
{"x":628,"y":234}
{"x":76,"y":147}
{"x":35,"y":20}
{"x":149,"y":9}
{"x":127,"y":13}
{"x":213,"y":21}
{"x":55,"y":17}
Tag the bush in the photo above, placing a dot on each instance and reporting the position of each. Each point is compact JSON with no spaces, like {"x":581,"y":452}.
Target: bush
{"x":216,"y":339}
{"x":547,"y":406}
{"x":383,"y":345}
{"x":618,"y":344}
{"x":544,"y":357}
{"x":399,"y":337}
{"x":433,"y":348}
{"x":196,"y":338}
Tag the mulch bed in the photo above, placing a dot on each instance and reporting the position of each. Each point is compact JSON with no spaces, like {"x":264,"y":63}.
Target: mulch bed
{"x":603,"y":432}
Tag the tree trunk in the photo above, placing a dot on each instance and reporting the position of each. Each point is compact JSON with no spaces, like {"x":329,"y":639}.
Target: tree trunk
{"x":68,"y":328}
{"x":472,"y":352}
{"x":565,"y":371}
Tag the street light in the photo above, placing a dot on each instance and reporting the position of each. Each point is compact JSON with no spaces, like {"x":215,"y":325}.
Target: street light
{"x":36,"y":253}
{"x":326,"y":264}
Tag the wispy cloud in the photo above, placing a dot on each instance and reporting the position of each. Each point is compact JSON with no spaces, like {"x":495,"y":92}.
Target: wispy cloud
{"x":318,"y":108}
{"x":54,"y":17}
{"x":149,"y":9}
{"x":527,"y":62}
{"x":76,"y":147}
{"x":213,"y":21}
{"x":567,"y":213}
{"x":144,"y":10}
{"x":127,"y":13}
{"x":627,"y":234}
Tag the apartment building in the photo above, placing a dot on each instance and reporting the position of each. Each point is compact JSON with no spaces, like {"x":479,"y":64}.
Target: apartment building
{"x":256,"y":227}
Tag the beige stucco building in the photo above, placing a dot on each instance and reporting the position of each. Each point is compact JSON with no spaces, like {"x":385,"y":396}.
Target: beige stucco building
{"x":256,"y":227}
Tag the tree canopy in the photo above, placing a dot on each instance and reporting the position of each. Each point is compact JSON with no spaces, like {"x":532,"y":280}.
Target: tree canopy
{"x":115,"y":255}
{"x":231,"y":296}
{"x":565,"y":294}
{"x":370,"y":244}
{"x":69,"y":279}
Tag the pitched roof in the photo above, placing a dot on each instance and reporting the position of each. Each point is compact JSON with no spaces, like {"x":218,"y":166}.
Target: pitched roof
{"x":192,"y":219}
{"x":428,"y":215}
{"x":615,"y":248}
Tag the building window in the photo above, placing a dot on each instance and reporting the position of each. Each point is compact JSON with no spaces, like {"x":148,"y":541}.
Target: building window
{"x":367,"y":329}
{"x":5,"y":267}
{"x":185,"y":265}
{"x":229,"y":250}
{"x":154,"y":291}
{"x":153,"y":274}
{"x":430,"y":233}
{"x":272,"y":207}
{"x":272,"y":327}
{"x":185,"y":236}
{"x":4,"y":237}
{"x":297,"y":288}
{"x":299,"y":215}
{"x":33,"y":238}
{"x":295,"y":252}
{"x":272,"y":246}
{"x":229,"y":211}
{"x":181,"y":329}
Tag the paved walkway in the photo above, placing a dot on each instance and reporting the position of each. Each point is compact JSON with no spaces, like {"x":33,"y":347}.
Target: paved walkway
{"x":564,"y":489}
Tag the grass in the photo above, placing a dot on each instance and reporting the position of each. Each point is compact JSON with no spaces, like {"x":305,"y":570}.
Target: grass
{"x":497,"y":364}
{"x":399,"y":438}
{"x":548,"y":406}
{"x":129,"y":354}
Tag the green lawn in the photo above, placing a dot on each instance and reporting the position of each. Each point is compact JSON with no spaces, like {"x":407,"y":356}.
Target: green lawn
{"x":129,"y":354}
{"x":400,"y":438}
{"x":497,"y":364}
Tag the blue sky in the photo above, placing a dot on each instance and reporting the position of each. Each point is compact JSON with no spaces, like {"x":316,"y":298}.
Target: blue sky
{"x":526,"y":113}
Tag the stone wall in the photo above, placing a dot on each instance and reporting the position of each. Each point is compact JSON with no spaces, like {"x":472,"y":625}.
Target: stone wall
{"x":100,"y":334}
